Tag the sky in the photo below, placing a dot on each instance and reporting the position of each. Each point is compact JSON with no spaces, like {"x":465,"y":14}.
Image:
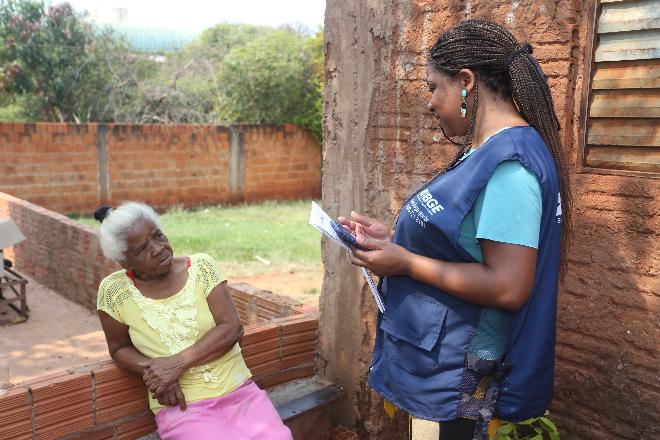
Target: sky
{"x":196,"y":15}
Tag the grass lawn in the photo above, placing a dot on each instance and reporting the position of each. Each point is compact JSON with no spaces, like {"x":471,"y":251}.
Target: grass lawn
{"x":277,"y":232}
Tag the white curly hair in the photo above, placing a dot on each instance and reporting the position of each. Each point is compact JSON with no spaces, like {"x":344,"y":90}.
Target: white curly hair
{"x":118,"y":224}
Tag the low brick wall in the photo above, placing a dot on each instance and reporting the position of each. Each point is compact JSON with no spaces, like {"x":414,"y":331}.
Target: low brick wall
{"x":66,"y":256}
{"x":76,"y":167}
{"x":58,"y":252}
{"x":105,"y":402}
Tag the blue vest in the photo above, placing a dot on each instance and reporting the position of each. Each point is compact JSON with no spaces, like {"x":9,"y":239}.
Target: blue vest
{"x":420,"y":361}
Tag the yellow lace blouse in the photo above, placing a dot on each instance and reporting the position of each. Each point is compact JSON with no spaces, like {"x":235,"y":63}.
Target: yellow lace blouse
{"x":164,"y":327}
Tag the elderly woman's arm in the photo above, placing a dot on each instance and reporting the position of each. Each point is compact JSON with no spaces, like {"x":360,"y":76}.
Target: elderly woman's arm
{"x":161,"y":372}
{"x":227,"y":332}
{"x":130,"y":359}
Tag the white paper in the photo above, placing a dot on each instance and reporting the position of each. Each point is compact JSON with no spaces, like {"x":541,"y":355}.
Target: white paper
{"x":322,"y":221}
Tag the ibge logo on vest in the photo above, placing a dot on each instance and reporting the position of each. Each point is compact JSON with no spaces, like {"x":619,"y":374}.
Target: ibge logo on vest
{"x":431,"y":205}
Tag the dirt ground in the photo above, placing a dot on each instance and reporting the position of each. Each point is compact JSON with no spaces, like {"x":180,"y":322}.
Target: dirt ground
{"x":302,"y":286}
{"x":60,"y":334}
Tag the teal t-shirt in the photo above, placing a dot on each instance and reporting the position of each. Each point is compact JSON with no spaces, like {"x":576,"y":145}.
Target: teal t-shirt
{"x":508,"y":210}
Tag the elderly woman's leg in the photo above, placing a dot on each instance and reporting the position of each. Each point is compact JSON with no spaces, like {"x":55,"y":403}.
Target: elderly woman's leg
{"x":250,"y":410}
{"x":245,"y":414}
{"x":200,"y":422}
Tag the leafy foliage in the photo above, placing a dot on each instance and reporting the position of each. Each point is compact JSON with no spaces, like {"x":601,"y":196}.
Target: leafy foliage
{"x":539,"y":428}
{"x":54,"y":60}
{"x":272,"y":79}
{"x":56,"y":66}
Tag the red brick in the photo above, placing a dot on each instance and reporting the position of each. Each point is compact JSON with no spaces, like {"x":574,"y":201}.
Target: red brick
{"x":62,"y":405}
{"x":118,"y":394}
{"x":276,"y":378}
{"x":137,"y":428}
{"x":302,"y":338}
{"x":261,"y":336}
{"x":16,"y":414}
{"x":264,"y":362}
{"x":304,"y":356}
{"x":98,"y":434}
{"x":298,"y":324}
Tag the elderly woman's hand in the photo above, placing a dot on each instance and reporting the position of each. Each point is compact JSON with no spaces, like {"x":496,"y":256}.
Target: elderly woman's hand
{"x":172,"y":396}
{"x":159,"y":373}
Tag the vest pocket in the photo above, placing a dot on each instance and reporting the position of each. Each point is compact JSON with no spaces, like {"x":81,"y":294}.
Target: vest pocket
{"x":412,"y":333}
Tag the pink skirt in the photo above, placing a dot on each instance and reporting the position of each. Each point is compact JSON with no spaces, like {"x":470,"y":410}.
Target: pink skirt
{"x":245,"y":413}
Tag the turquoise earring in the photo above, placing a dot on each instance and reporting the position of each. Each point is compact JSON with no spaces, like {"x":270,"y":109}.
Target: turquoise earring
{"x":464,"y":103}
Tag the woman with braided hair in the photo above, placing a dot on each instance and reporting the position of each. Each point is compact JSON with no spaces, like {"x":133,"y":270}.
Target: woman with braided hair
{"x":470,"y":272}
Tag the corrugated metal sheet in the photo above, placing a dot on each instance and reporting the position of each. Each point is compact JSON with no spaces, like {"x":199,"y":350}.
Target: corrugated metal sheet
{"x":642,"y":103}
{"x":623,"y":158}
{"x":631,"y":16}
{"x":624,"y":113}
{"x":627,"y":75}
{"x":624,"y":132}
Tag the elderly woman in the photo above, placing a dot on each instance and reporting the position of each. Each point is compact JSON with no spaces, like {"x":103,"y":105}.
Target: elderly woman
{"x":170,"y":320}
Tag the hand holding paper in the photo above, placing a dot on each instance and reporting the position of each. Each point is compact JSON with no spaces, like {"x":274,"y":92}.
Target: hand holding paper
{"x":359,"y":223}
{"x":383,"y":257}
{"x":322,"y":221}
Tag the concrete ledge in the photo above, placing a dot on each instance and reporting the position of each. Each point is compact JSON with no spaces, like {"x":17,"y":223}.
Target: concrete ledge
{"x":296,"y":398}
{"x":303,"y":405}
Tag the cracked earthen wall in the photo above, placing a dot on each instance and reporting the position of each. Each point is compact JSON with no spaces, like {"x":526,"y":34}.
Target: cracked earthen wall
{"x":380,"y":144}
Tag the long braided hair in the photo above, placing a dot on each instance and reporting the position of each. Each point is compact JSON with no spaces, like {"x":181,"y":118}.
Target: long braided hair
{"x":508,"y":68}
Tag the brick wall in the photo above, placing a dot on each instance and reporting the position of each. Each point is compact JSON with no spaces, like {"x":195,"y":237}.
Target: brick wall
{"x":75,"y":167}
{"x":381,"y":144}
{"x":169,"y":165}
{"x":606,"y":385}
{"x":66,"y":256}
{"x":58,"y":252}
{"x":105,"y":402}
{"x":52,"y":165}
{"x":274,"y":170}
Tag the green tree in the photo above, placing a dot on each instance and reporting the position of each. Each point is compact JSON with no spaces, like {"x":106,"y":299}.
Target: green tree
{"x":315,"y":115}
{"x":274,"y":79}
{"x":218,"y":40}
{"x":54,"y":63}
{"x":182,"y":87}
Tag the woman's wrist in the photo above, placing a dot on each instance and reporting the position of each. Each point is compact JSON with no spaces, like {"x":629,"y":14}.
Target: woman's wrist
{"x":186,"y":360}
{"x":408,"y":263}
